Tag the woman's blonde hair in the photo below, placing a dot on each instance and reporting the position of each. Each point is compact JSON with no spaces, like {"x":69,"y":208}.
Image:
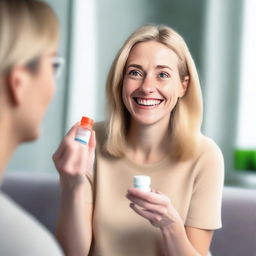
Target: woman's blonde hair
{"x":27,"y":29}
{"x":186,"y":118}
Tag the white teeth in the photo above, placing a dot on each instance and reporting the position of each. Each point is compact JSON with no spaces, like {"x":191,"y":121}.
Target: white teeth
{"x":145,"y":102}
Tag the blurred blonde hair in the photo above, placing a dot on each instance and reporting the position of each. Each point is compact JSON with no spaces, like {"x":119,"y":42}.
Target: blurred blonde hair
{"x":186,"y":118}
{"x":27,"y":29}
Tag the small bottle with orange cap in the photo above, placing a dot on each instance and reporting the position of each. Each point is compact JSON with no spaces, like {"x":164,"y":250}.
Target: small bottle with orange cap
{"x":84,"y":130}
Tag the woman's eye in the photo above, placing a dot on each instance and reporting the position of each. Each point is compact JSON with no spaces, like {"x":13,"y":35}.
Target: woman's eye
{"x":55,"y":66}
{"x":134,"y":73}
{"x":164,"y":75}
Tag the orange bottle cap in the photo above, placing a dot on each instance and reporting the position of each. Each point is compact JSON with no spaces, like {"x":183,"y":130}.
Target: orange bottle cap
{"x":86,"y":121}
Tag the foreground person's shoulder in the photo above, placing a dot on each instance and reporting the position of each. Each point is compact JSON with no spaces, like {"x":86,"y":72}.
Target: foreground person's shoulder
{"x":22,"y":234}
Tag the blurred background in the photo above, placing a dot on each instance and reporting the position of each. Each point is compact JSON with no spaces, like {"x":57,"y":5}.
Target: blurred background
{"x":222,"y":40}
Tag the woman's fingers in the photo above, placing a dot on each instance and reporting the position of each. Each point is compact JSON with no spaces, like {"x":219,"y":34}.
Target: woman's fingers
{"x":91,"y":154}
{"x":70,"y":135}
{"x":58,"y":153}
{"x":150,"y":197}
{"x":92,"y":141}
{"x":154,"y":206}
{"x":72,"y":132}
{"x":74,"y":158}
{"x":150,"y":206}
{"x":155,"y":219}
{"x":142,"y":212}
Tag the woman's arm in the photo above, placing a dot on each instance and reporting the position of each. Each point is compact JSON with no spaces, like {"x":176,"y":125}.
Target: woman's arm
{"x":200,"y":238}
{"x":188,"y":241}
{"x":74,"y":162}
{"x":74,"y":228}
{"x":178,"y":240}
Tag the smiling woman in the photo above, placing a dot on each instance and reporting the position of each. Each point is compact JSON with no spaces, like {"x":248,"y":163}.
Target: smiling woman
{"x":185,"y":130}
{"x":153,"y":129}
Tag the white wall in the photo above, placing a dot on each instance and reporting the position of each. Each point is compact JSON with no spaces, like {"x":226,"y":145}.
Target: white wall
{"x":82,"y":82}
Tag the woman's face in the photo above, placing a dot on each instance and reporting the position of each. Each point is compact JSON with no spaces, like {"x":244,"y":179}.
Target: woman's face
{"x":152,"y":85}
{"x":39,"y":92}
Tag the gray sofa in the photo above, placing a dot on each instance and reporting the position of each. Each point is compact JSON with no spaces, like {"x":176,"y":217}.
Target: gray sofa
{"x":39,"y":195}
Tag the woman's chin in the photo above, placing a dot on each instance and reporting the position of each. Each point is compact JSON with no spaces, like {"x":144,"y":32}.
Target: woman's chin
{"x":31,"y":136}
{"x":148,"y":120}
{"x":145,"y":121}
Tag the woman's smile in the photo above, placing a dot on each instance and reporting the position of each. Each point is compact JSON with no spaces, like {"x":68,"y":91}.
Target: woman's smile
{"x":147,"y":103}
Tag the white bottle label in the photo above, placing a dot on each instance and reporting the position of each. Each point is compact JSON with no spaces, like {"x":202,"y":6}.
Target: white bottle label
{"x":143,"y":188}
{"x":83,"y":135}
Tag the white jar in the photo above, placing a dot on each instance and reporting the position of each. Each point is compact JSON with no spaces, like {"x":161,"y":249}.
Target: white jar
{"x":142,"y":182}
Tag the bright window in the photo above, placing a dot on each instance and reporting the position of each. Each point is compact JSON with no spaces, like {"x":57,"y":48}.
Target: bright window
{"x":245,"y":154}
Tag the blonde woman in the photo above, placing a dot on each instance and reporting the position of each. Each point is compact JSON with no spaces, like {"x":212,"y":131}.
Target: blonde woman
{"x":29,"y":34}
{"x":153,"y":129}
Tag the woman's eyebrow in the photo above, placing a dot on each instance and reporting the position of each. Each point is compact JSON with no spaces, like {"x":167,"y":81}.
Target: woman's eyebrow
{"x":141,"y":68}
{"x":163,"y":66}
{"x":135,"y":66}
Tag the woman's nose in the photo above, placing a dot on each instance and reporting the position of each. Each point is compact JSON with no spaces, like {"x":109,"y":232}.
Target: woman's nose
{"x":148,"y":85}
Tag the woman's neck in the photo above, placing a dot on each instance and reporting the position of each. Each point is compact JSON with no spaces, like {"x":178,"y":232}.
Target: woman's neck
{"x":148,"y":143}
{"x":8,"y":143}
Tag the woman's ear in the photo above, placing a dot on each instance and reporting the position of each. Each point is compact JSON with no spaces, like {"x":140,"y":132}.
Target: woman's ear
{"x":184,"y":86}
{"x":16,"y":83}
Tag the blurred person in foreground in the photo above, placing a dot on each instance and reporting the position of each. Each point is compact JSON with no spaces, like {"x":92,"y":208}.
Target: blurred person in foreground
{"x":154,"y":129}
{"x":29,"y":33}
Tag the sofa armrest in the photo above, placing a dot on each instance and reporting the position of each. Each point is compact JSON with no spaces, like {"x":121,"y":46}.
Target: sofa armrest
{"x":238,"y":234}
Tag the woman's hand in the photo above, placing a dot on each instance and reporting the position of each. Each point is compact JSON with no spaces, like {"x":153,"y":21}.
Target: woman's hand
{"x":74,"y":160}
{"x":155,"y":207}
{"x":159,"y":210}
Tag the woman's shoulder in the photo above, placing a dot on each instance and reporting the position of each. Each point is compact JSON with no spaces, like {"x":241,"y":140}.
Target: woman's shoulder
{"x":208,"y":145}
{"x":13,"y":221}
{"x":209,"y":151}
{"x":209,"y":165}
